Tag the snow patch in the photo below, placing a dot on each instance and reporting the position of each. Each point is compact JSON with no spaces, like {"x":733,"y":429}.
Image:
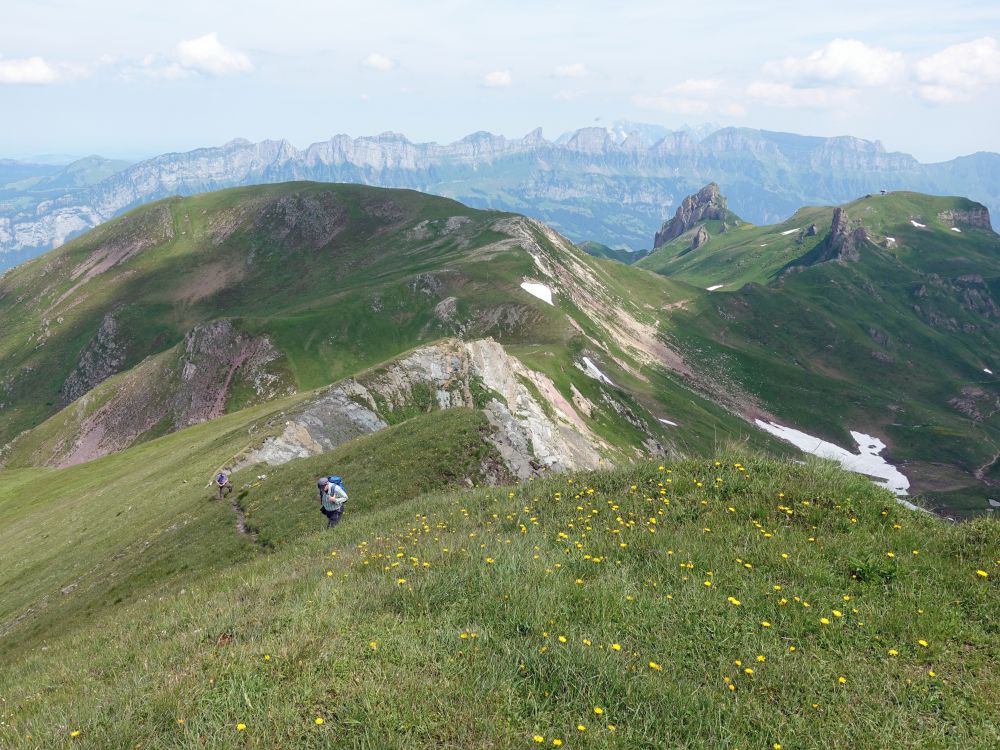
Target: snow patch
{"x":956,"y":229}
{"x":994,"y":503}
{"x":538,"y":290}
{"x":790,"y":231}
{"x":591,"y":370}
{"x":667,"y":421}
{"x":918,"y":225}
{"x":987,"y":370}
{"x":713,"y":288}
{"x":866,"y":461}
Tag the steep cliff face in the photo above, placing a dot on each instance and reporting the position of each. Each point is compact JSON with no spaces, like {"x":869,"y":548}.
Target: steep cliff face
{"x":708,"y":203}
{"x":844,"y":239}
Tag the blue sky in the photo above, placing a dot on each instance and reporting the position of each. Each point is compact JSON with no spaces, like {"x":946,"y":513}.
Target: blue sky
{"x":136,"y":78}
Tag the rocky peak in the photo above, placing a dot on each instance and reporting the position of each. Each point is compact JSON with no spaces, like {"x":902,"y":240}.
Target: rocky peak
{"x":843,"y":241}
{"x":707,"y":203}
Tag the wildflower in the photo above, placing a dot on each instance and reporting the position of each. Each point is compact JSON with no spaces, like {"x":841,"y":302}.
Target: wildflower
{"x":489,"y":560}
{"x":400,"y":581}
{"x":611,"y":727}
{"x":267,"y":657}
{"x":842,"y":680}
{"x":791,"y":649}
{"x":708,"y":584}
{"x":180,"y":722}
{"x":765,"y":624}
{"x":562,"y":639}
{"x":893,"y":652}
{"x":748,"y":671}
{"x":329,"y":573}
{"x":923,"y":643}
{"x":373,"y":645}
{"x":616,"y":647}
{"x":75,"y":733}
{"x":931,"y":673}
{"x":598,"y":710}
{"x":761,"y":658}
{"x":837,"y":613}
{"x":581,"y":728}
{"x":318,"y":721}
{"x":557,"y":742}
{"x":824,"y":621}
{"x":982,"y":574}
{"x":538,"y":738}
{"x":586,"y":642}
{"x":653,"y":665}
{"x":240,"y":727}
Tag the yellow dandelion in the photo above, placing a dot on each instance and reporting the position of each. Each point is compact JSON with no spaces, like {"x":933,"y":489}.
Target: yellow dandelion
{"x":923,"y":643}
{"x":893,"y":652}
{"x":562,"y":639}
{"x":842,"y":680}
{"x":180,"y":722}
{"x":616,"y":647}
{"x":748,"y":671}
{"x":581,"y":728}
{"x":982,"y":574}
{"x":75,"y":733}
{"x":765,"y":624}
{"x":556,"y":742}
{"x":400,"y":581}
{"x":598,"y":710}
{"x":329,"y":573}
{"x":538,"y":738}
{"x":241,"y":727}
{"x":655,"y":666}
{"x":318,"y":720}
{"x":611,"y":727}
{"x":837,"y":613}
{"x":373,"y":645}
{"x":267,"y":657}
{"x":824,"y":621}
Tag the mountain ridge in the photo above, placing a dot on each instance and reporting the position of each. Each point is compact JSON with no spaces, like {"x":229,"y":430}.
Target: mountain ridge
{"x":594,"y":185}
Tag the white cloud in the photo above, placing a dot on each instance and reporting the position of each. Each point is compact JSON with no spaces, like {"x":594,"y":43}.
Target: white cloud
{"x":380,"y":62}
{"x":959,"y":72}
{"x":29,"y":70}
{"x":694,"y":96}
{"x":783,"y":95}
{"x":845,"y":62}
{"x":568,"y":95}
{"x":697,"y":86}
{"x":498,"y":79}
{"x":572,"y":70}
{"x":207,"y":54}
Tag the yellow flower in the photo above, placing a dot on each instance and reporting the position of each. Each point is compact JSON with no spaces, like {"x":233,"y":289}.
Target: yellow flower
{"x":708,"y":584}
{"x":842,"y":680}
{"x":982,"y":574}
{"x":581,"y":728}
{"x":267,"y":657}
{"x":654,"y":665}
{"x":538,"y":738}
{"x":180,"y":722}
{"x":761,"y":658}
{"x":923,"y":643}
{"x":318,"y":720}
{"x":893,"y":652}
{"x":837,"y":613}
{"x":373,"y":645}
{"x":240,"y":727}
{"x":75,"y":733}
{"x":824,"y":621}
{"x":400,"y":581}
{"x":611,"y":727}
{"x":329,"y":573}
{"x":598,"y":710}
{"x":776,"y":746}
{"x":557,"y":742}
{"x":765,"y":624}
{"x":562,"y":639}
{"x":616,"y":647}
{"x":748,"y":671}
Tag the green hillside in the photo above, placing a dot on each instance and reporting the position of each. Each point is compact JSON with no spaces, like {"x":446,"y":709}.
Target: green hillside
{"x":727,"y":601}
{"x":894,"y":339}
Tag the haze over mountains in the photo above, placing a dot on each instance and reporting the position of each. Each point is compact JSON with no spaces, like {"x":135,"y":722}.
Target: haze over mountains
{"x":611,"y":185}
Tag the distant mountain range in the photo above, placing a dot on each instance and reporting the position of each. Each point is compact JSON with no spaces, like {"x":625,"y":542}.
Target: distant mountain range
{"x":613,"y":185}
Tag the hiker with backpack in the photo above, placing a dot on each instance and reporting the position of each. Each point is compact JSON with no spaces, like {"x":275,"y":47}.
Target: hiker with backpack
{"x":222,"y":481}
{"x":332,"y":497}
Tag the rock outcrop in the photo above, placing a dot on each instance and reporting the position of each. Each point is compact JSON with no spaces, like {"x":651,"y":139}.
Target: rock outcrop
{"x":700,"y":238}
{"x":977,"y":216}
{"x":529,"y":434}
{"x":843,"y":241}
{"x":707,"y":203}
{"x":102,"y":358}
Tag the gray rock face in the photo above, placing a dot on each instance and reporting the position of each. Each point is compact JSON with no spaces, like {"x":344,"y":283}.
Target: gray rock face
{"x":102,"y":358}
{"x":843,"y":241}
{"x":700,"y":238}
{"x":451,"y":374}
{"x":978,"y":217}
{"x":707,"y":203}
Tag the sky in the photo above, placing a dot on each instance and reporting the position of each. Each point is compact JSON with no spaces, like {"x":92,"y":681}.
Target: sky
{"x":133,"y":79}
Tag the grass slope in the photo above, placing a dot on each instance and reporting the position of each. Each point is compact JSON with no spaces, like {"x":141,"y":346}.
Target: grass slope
{"x":728,"y":603}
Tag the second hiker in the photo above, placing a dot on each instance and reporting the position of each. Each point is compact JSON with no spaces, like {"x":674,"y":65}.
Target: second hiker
{"x":332,"y":497}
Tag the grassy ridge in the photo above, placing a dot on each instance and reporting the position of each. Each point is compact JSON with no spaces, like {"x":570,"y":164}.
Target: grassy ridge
{"x":695,"y":604}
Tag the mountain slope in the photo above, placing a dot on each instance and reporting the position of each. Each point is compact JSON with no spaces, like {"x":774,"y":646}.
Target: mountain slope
{"x":190,"y":308}
{"x":593,"y":600}
{"x":879,"y":316}
{"x":595,"y":184}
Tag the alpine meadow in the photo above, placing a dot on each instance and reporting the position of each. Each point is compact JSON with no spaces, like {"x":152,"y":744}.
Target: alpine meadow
{"x":661,"y":434}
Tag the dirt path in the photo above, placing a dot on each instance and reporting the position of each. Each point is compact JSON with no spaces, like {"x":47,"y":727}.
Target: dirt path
{"x":241,"y":520}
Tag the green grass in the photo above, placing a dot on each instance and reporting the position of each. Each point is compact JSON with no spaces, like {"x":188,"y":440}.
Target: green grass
{"x":495,"y":615}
